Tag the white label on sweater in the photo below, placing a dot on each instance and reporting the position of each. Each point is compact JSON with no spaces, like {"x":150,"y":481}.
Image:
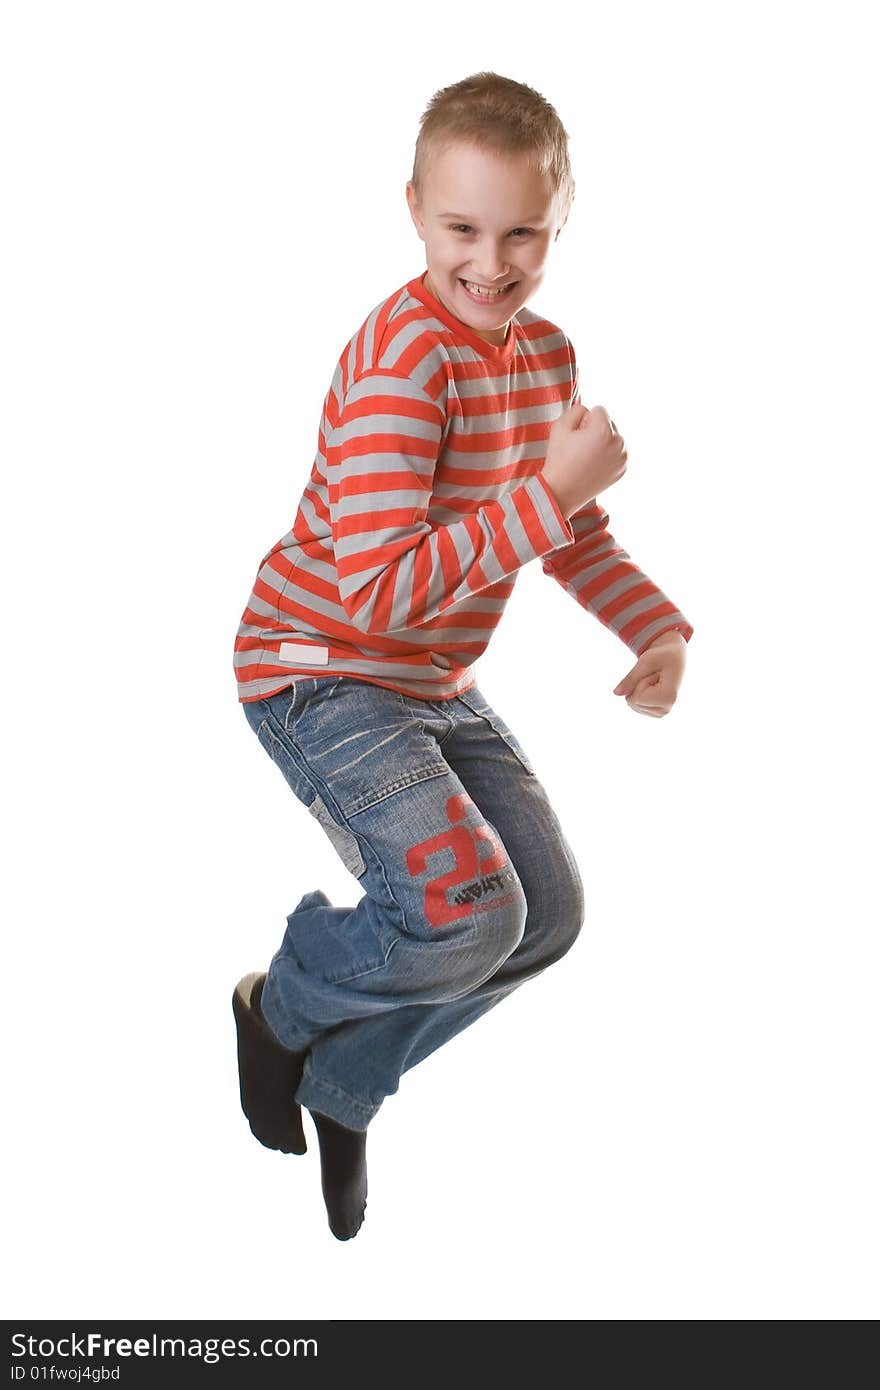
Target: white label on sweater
{"x":304,"y":654}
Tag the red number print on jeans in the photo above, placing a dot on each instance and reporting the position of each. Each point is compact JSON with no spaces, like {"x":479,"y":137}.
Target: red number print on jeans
{"x":464,"y":841}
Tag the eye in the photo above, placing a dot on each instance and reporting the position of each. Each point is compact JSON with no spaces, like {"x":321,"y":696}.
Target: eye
{"x":464,"y":227}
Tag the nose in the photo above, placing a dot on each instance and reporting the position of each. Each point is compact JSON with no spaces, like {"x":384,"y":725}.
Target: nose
{"x":489,"y":265}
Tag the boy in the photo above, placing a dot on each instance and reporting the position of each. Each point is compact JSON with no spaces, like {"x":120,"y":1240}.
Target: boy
{"x":452,"y":451}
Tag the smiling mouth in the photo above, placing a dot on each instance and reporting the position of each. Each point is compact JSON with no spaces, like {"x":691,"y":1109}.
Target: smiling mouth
{"x":484,"y":292}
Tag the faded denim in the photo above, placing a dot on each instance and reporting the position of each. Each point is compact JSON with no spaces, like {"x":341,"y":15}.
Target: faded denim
{"x":469,"y":884}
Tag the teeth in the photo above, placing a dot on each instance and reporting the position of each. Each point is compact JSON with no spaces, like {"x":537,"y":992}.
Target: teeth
{"x":487,"y":294}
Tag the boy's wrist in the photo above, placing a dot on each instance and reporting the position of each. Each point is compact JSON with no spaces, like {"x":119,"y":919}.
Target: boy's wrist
{"x":559,"y":494}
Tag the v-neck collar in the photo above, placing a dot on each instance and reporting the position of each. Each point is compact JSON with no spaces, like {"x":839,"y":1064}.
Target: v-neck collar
{"x":501,"y":355}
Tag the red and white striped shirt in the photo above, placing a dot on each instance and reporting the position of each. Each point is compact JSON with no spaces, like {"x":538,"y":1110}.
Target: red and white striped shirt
{"x":425,"y":500}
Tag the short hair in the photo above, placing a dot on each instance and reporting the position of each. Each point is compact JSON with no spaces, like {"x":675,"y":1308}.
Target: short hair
{"x":496,"y":113}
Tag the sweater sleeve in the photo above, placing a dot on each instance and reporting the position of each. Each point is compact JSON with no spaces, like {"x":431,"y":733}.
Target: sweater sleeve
{"x":395,"y":569}
{"x":602,"y":578}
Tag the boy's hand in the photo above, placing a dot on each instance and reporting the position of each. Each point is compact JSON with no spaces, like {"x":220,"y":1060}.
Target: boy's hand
{"x":585,"y":455}
{"x":652,"y":684}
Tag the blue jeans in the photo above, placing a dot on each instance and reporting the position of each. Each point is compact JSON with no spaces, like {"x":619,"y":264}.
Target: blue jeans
{"x":470,"y":887}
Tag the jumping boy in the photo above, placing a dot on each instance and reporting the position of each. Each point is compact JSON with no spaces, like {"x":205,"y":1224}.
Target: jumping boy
{"x":453,"y":449}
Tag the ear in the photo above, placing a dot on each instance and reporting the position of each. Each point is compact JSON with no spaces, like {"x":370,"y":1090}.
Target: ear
{"x":561,"y":225}
{"x":413,"y":205}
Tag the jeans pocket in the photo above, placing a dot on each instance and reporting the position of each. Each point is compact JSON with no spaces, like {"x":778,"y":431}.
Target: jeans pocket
{"x":334,"y":944}
{"x":344,"y":841}
{"x":478,"y":704}
{"x":287,"y":706}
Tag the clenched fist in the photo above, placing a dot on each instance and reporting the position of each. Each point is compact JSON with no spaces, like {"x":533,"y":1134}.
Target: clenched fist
{"x":585,"y":455}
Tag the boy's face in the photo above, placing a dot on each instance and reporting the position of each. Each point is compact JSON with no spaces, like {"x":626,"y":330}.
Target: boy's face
{"x":488,"y":221}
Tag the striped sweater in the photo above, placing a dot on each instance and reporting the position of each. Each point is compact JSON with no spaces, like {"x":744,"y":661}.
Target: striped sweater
{"x":425,"y":499}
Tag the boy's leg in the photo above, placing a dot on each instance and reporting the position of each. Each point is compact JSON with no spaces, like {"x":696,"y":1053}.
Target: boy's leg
{"x":499,"y":778}
{"x":374,"y":775}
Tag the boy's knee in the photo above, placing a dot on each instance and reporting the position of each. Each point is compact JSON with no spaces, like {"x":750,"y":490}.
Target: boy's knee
{"x":567,"y":917}
{"x":448,"y":966}
{"x":497,"y":932}
{"x":568,"y":933}
{"x":509,"y":923}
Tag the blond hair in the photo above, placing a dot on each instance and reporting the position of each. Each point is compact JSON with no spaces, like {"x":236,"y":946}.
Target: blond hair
{"x":502,"y":116}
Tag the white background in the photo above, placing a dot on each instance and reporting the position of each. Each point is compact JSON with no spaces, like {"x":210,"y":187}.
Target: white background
{"x":678,"y":1121}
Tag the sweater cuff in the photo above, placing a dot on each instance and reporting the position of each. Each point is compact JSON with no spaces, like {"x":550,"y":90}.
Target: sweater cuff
{"x":681,"y":624}
{"x":548,"y":509}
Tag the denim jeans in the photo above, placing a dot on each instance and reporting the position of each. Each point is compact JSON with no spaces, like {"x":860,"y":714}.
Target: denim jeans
{"x":470,"y":887}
